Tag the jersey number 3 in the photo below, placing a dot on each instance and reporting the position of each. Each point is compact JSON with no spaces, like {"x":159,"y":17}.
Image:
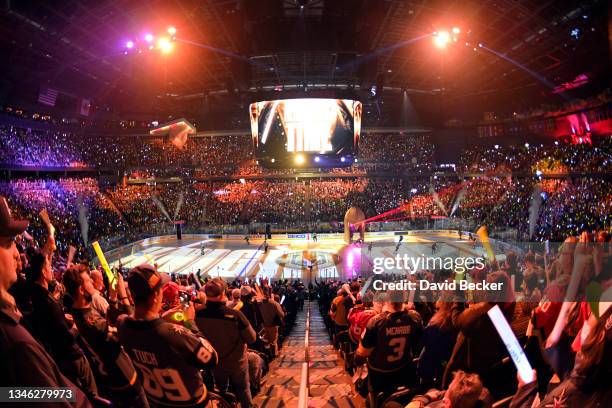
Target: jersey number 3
{"x":397,"y":346}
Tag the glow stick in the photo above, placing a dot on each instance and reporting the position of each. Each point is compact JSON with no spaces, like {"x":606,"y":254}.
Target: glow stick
{"x":44,"y":215}
{"x":411,"y":296}
{"x":517,"y":354}
{"x":282,"y":299}
{"x":347,"y":289}
{"x":71,"y":252}
{"x":484,"y":238}
{"x":111,"y":277}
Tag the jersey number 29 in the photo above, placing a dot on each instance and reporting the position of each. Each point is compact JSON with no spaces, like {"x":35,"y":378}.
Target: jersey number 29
{"x":163,"y":383}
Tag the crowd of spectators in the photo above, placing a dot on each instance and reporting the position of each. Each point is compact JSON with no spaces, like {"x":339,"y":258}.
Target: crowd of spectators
{"x":32,"y":147}
{"x":234,"y":155}
{"x":228,"y":155}
{"x":133,"y":338}
{"x":87,"y":212}
{"x":438,"y":347}
{"x":405,"y":149}
{"x":549,"y":159}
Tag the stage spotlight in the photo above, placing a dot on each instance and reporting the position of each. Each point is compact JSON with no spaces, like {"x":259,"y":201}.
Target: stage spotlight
{"x":456,"y":30}
{"x":299,"y":159}
{"x":441,"y":39}
{"x":164,"y":45}
{"x":480,"y":45}
{"x":171,"y":30}
{"x":342,"y":159}
{"x":148,"y":37}
{"x":273,"y":160}
{"x":317,"y":159}
{"x":129,"y":44}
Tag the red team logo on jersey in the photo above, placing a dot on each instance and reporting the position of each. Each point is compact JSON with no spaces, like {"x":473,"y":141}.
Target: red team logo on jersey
{"x":358,"y":320}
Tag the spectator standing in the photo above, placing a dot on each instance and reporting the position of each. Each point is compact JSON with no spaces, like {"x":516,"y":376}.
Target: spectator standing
{"x":388,"y":346}
{"x":116,"y":374}
{"x":439,"y":337}
{"x":235,"y":300}
{"x":168,"y":357}
{"x":273,"y":315}
{"x":51,"y":327}
{"x":229,"y":331}
{"x":25,"y":360}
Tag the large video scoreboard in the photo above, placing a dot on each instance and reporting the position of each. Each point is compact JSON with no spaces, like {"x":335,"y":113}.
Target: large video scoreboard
{"x":319,"y":132}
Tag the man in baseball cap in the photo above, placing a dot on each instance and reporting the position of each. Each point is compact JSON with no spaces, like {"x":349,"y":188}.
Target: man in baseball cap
{"x":26,"y":363}
{"x":143,"y":281}
{"x":157,"y":346}
{"x":229,"y":332}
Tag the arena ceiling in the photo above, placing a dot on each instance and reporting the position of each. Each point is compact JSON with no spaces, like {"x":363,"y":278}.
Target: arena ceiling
{"x":241,"y":46}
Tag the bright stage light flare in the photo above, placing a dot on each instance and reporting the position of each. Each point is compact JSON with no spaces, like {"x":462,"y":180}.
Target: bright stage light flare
{"x":148,"y":37}
{"x":456,"y":30}
{"x":171,"y":30}
{"x":165,"y":45}
{"x":442,"y":38}
{"x":130,"y":44}
{"x":299,"y":159}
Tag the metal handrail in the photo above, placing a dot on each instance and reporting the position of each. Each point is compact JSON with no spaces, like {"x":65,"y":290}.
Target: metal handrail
{"x":304,"y":380}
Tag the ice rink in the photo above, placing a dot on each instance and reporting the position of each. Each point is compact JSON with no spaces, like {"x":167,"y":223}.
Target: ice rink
{"x":289,"y":256}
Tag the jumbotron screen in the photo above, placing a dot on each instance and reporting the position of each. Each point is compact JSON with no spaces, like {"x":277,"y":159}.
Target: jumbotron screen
{"x":314,"y":125}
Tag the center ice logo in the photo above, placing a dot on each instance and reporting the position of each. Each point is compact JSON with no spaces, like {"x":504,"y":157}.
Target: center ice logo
{"x":308,"y":259}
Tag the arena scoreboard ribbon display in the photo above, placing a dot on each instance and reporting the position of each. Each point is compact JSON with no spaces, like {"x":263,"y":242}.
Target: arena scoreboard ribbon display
{"x":111,"y":277}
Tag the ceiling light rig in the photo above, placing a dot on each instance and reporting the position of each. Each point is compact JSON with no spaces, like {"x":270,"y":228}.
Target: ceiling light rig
{"x":164,"y":42}
{"x":442,"y":38}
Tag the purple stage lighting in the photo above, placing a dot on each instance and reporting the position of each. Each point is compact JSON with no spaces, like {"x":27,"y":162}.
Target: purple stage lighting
{"x":129,"y":44}
{"x":148,"y":37}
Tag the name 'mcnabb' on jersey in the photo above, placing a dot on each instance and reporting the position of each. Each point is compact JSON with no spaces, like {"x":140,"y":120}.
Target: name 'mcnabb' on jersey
{"x":391,"y":336}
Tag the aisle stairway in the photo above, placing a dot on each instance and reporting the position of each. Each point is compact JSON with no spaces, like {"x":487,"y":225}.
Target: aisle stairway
{"x":330,"y":385}
{"x":281,"y":386}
